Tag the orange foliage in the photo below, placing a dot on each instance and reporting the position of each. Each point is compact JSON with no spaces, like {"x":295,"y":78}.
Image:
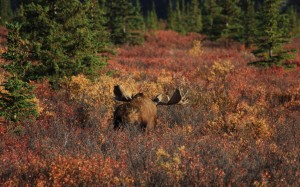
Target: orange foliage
{"x":70,"y":171}
{"x":241,"y":127}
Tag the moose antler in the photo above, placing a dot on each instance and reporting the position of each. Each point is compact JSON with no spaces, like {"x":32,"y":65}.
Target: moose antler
{"x":177,"y":98}
{"x":121,"y":94}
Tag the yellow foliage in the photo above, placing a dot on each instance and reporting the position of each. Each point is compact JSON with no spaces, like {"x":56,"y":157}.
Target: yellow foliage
{"x":71,"y":171}
{"x":165,"y":77}
{"x":98,"y":98}
{"x":151,"y":89}
{"x":219,"y":70}
{"x":39,"y":107}
{"x":2,"y":89}
{"x":229,"y":116}
{"x":2,"y":50}
{"x":196,"y":50}
{"x":246,"y":119}
{"x":98,"y":93}
{"x":188,"y":129}
{"x":171,"y":165}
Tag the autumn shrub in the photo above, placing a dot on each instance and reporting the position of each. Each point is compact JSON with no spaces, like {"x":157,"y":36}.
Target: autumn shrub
{"x":19,"y":165}
{"x":196,"y":50}
{"x":240,"y":127}
{"x":98,"y":99}
{"x":171,"y":157}
{"x":229,"y":114}
{"x":93,"y":171}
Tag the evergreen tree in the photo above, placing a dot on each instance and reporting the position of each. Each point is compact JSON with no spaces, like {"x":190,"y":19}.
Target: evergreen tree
{"x":249,"y":22}
{"x":273,"y":33}
{"x":229,"y":23}
{"x":96,"y":15}
{"x":222,"y":20}
{"x":139,"y":12}
{"x":6,"y":12}
{"x":122,"y":20}
{"x":293,"y":20}
{"x":211,"y":17}
{"x":179,"y":17}
{"x":16,"y":100}
{"x":171,"y":16}
{"x":62,"y":37}
{"x":152,"y":20}
{"x":137,"y":25}
{"x":194,"y":17}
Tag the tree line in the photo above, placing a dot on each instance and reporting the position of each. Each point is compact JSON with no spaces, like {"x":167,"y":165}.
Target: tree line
{"x":218,"y":19}
{"x":56,"y":39}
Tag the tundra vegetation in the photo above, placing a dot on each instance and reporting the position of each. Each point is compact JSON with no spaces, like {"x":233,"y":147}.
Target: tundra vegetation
{"x":241,"y":126}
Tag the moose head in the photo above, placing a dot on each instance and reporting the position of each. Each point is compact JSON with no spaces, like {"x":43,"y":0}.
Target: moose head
{"x":140,"y":111}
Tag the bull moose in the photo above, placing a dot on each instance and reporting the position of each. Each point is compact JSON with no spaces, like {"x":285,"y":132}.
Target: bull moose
{"x":140,"y":111}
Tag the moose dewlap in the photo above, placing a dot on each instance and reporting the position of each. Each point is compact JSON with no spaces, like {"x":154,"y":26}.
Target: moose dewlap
{"x":139,"y":111}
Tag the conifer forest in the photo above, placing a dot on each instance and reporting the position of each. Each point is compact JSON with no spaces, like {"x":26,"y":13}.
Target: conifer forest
{"x":149,"y":93}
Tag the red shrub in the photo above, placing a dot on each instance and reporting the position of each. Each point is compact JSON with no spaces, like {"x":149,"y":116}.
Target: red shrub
{"x":241,"y":127}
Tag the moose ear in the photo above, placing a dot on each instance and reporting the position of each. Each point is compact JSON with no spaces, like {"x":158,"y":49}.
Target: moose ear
{"x":121,"y":94}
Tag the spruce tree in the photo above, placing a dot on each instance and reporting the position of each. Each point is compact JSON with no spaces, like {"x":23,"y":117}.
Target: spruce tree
{"x":6,"y":12}
{"x":137,"y":25}
{"x":211,"y":18}
{"x":116,"y":20}
{"x":96,"y":15}
{"x":62,"y":37}
{"x":272,"y":35}
{"x":293,"y":20}
{"x":171,"y":16}
{"x":179,"y":17}
{"x":249,"y":22}
{"x":16,"y":100}
{"x":123,"y":18}
{"x":194,"y":17}
{"x":229,"y":24}
{"x":152,"y":20}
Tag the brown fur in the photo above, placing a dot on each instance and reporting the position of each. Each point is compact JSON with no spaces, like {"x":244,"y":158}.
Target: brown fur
{"x":140,"y":112}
